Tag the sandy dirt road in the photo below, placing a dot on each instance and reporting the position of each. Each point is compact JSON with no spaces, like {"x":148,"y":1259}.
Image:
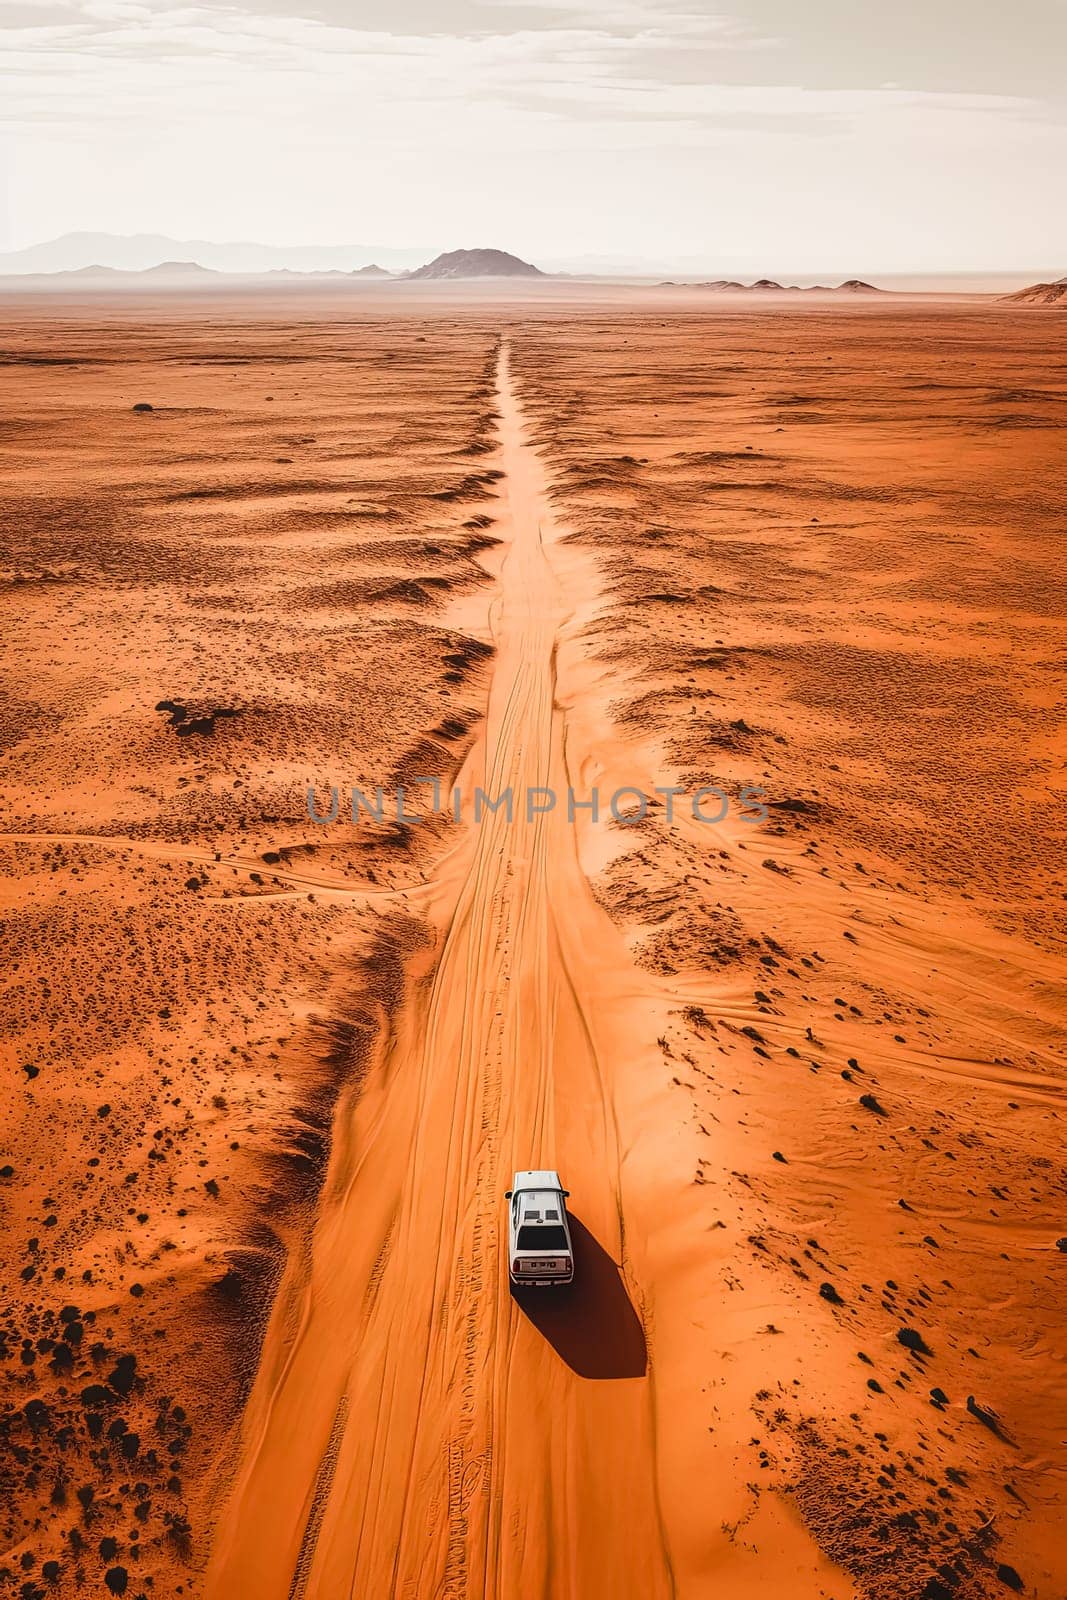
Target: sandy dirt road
{"x":413,"y":1432}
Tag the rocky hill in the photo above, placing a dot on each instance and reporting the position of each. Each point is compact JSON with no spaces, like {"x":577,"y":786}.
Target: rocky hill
{"x":477,"y":264}
{"x":1041,"y":294}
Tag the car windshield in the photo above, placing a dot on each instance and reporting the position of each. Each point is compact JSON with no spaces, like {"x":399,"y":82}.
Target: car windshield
{"x":542,"y":1239}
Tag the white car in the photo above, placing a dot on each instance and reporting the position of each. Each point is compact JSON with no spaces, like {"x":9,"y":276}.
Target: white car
{"x":539,"y":1235}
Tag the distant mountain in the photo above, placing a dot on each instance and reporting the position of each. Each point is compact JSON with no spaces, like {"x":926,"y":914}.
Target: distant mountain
{"x":94,"y":271}
{"x":732,"y":286}
{"x":178,"y":276}
{"x":333,"y":274}
{"x":1042,"y":294}
{"x":850,"y":286}
{"x":769,"y":286}
{"x":167,"y":275}
{"x":477,"y":264}
{"x":134,"y":252}
{"x":290,"y":275}
{"x":178,"y":269}
{"x":727,"y":286}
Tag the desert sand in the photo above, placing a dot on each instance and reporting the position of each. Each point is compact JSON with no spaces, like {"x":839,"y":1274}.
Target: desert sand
{"x":266,"y":1080}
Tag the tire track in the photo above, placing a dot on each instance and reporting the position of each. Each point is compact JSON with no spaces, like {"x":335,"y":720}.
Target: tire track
{"x":320,"y":1495}
{"x":474,"y":1453}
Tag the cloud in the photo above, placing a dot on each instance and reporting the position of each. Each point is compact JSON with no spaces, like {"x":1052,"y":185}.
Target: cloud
{"x":599,"y":118}
{"x":111,"y":59}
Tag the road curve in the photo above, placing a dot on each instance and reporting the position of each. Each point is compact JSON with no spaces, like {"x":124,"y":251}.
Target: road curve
{"x":413,"y":1431}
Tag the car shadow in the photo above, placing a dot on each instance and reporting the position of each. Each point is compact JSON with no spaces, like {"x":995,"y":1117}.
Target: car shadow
{"x":590,"y":1323}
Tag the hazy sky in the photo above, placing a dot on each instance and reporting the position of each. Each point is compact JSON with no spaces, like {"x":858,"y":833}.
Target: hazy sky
{"x":785,"y":135}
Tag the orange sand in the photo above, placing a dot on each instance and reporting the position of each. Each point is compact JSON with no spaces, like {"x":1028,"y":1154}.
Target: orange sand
{"x":804,"y":1079}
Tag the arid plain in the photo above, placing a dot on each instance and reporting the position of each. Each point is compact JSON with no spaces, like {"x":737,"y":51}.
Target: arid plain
{"x":266,"y":1080}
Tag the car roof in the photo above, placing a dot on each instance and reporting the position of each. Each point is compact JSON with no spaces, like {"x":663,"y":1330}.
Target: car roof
{"x":536,"y":1201}
{"x":536,"y":1180}
{"x":540,"y":1210}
